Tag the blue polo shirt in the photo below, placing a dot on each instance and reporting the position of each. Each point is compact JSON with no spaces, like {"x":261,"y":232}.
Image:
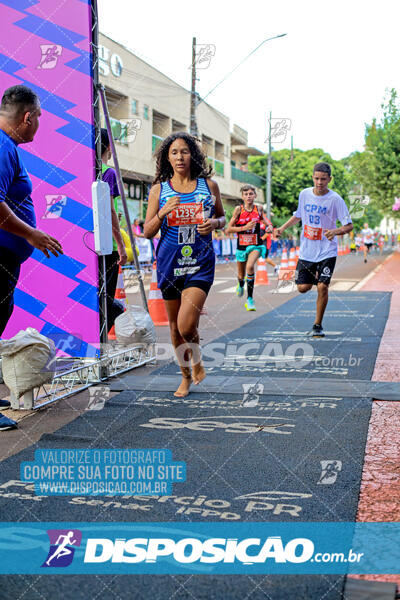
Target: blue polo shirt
{"x":15,"y":190}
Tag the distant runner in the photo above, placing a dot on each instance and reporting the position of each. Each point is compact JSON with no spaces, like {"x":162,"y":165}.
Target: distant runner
{"x":267,"y":239}
{"x":368,"y":240}
{"x":246,"y":221}
{"x":319,"y":208}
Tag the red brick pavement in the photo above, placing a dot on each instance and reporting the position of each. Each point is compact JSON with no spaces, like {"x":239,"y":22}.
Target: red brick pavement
{"x":380,"y":487}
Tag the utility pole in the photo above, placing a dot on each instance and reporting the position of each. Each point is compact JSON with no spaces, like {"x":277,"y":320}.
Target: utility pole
{"x":269,"y":165}
{"x":193,"y":99}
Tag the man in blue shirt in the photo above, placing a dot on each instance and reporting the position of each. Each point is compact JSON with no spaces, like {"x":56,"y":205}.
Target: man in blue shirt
{"x":19,"y":122}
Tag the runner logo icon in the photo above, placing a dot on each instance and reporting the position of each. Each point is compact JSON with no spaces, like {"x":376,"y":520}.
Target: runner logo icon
{"x":329,"y":471}
{"x":62,"y":550}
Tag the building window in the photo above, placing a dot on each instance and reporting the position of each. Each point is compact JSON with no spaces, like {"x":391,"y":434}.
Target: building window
{"x":146,"y":112}
{"x":134,"y":107}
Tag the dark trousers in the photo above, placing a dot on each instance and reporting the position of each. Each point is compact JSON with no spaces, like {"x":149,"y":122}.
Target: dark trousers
{"x":114,"y":308}
{"x":9,"y":272}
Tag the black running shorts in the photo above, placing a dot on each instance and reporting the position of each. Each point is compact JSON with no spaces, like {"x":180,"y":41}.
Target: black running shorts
{"x":315,"y":272}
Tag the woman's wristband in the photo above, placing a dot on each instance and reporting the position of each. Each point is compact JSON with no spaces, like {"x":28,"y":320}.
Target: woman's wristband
{"x":160,"y":219}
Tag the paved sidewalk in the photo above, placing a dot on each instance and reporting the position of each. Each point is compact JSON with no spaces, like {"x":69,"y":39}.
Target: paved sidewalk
{"x":380,"y":488}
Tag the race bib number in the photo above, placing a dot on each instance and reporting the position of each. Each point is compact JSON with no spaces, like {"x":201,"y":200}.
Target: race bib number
{"x":191,"y":213}
{"x":247,"y":239}
{"x":313,"y":233}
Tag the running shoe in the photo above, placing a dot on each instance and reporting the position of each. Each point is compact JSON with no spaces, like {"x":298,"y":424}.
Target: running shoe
{"x":250,"y":304}
{"x":5,"y":404}
{"x":239,"y":290}
{"x":6,"y":423}
{"x":317,"y":331}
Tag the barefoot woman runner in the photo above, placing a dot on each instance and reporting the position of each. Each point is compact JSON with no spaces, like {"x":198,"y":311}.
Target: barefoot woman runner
{"x":186,"y":205}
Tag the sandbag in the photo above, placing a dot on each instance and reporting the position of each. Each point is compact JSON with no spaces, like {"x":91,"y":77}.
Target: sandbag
{"x":135,"y":326}
{"x":28,"y":361}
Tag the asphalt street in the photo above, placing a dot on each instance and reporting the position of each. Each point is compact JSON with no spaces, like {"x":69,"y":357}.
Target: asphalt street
{"x":251,"y":455}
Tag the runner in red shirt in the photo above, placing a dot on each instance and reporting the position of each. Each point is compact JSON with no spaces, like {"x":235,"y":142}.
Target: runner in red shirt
{"x":246,"y":222}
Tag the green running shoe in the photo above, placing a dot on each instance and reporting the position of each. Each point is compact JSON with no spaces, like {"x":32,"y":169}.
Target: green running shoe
{"x":239,"y":290}
{"x":250,"y":304}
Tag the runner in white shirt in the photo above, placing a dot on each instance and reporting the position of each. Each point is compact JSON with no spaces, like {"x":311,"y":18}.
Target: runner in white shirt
{"x":319,"y":209}
{"x":358,"y":241}
{"x":368,"y":240}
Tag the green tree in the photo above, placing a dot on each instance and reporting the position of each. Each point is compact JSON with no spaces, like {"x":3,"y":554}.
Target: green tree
{"x":228,"y":209}
{"x":377,"y":169}
{"x":289,"y":177}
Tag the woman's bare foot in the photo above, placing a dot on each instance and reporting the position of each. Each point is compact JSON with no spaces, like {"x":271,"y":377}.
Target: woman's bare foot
{"x":183,"y":389}
{"x":199,"y":373}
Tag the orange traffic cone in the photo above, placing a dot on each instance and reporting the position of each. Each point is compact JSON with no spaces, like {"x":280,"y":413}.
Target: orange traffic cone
{"x":292,"y":258}
{"x":284,"y":260}
{"x":157,"y":309}
{"x":297,"y":254}
{"x":120,"y":290}
{"x":121,"y":296}
{"x":261,"y":274}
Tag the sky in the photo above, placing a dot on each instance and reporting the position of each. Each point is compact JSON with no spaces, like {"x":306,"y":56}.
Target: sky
{"x":329,"y":75}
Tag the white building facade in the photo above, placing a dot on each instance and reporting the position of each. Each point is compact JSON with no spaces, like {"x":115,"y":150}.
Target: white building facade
{"x":146,"y":106}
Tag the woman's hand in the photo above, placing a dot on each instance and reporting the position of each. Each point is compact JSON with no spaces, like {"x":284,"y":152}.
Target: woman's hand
{"x":207,"y":227}
{"x":169,"y":206}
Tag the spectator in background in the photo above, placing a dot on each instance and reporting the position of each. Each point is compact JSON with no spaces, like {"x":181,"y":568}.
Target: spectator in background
{"x":381,"y":242}
{"x":137,"y":230}
{"x":118,"y":256}
{"x":19,"y":122}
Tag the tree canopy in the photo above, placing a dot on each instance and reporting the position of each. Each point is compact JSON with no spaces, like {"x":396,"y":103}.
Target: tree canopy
{"x":377,"y":169}
{"x":289,"y":177}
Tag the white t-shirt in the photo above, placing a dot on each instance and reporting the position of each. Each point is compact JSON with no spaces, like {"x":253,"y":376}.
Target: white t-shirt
{"x":367,"y":235}
{"x":317,"y":214}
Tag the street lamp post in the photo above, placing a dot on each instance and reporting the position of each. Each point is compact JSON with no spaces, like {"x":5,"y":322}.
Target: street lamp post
{"x":238,"y":65}
{"x":269,"y":165}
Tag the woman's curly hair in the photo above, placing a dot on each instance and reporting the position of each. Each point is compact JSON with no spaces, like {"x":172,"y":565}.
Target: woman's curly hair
{"x":198,"y":163}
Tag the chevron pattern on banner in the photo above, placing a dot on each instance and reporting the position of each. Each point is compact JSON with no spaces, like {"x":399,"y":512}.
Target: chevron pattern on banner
{"x":48,"y":49}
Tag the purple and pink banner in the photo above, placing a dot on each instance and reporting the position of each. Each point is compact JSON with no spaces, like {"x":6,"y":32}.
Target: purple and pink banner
{"x":46,"y":45}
